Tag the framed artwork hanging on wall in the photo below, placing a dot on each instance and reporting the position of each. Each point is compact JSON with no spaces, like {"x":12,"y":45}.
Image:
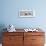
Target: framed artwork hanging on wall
{"x":26,"y":13}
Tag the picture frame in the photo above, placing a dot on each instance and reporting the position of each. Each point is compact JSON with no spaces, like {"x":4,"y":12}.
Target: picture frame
{"x":26,"y":13}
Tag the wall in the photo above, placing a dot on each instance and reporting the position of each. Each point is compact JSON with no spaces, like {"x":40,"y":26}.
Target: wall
{"x":10,"y":9}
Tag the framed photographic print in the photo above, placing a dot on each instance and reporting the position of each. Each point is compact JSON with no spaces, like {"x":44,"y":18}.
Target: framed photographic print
{"x":26,"y":13}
